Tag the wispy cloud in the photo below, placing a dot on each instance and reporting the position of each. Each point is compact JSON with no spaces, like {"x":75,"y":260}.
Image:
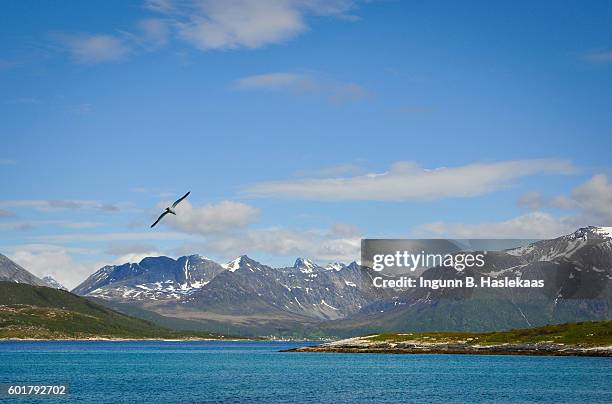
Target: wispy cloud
{"x":231,"y":24}
{"x":407,"y":181}
{"x":155,"y":32}
{"x":302,"y":83}
{"x":205,"y":25}
{"x":32,"y":224}
{"x":532,"y":225}
{"x":344,"y":92}
{"x":87,"y":48}
{"x":117,"y":236}
{"x":61,"y":204}
{"x":7,"y":162}
{"x":598,"y":56}
{"x":276,"y":81}
{"x":6,"y":213}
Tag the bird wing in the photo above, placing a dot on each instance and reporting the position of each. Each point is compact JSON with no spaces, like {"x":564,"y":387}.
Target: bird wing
{"x":180,"y":199}
{"x":159,"y":218}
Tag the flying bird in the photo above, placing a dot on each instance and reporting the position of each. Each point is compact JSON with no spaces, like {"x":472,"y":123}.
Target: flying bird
{"x":170,"y":209}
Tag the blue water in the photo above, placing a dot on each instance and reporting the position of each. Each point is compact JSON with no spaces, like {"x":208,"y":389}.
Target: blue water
{"x":256,"y":372}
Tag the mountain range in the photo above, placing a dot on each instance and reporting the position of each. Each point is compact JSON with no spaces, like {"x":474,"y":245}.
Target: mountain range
{"x":243,"y":295}
{"x":249,"y":298}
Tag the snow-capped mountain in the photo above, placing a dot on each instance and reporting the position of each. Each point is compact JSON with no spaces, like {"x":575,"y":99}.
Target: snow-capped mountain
{"x":53,"y":283}
{"x":153,"y":278}
{"x":339,"y":298}
{"x":198,"y":284}
{"x":304,"y":265}
{"x":564,"y":246}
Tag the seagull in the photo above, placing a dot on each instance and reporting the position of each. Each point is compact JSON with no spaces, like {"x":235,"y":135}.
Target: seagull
{"x":170,"y":209}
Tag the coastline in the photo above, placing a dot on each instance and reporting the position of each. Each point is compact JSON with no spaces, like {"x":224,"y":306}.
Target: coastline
{"x":126,"y":339}
{"x":364,"y":345}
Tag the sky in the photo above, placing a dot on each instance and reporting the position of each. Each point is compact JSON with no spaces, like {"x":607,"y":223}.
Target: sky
{"x":299,"y":126}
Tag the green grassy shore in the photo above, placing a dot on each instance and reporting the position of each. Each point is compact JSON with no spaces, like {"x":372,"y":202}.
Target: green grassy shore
{"x":36,"y":312}
{"x":593,"y":338}
{"x":586,"y":334}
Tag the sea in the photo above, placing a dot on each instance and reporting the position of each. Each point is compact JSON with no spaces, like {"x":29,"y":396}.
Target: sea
{"x":257,"y":372}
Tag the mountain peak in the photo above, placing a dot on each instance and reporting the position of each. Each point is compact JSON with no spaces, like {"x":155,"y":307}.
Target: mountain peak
{"x":238,"y":262}
{"x":304,"y":265}
{"x":53,"y":283}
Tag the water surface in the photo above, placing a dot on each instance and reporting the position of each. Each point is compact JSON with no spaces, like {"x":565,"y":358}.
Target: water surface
{"x":203,"y":371}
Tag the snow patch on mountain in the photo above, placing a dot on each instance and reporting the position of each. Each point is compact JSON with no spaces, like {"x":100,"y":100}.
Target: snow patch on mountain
{"x":233,"y":265}
{"x":304,"y":265}
{"x":334,"y":266}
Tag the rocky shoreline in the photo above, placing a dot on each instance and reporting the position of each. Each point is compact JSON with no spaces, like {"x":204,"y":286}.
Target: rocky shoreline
{"x":364,"y":345}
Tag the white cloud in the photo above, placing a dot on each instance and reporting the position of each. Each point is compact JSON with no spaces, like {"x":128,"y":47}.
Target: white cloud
{"x":94,"y":48}
{"x":407,"y":181}
{"x":233,"y":24}
{"x":532,"y":226}
{"x":206,"y":25}
{"x":230,"y":24}
{"x":211,"y":218}
{"x":56,"y":261}
{"x":335,"y":244}
{"x":592,"y":201}
{"x":590,"y":204}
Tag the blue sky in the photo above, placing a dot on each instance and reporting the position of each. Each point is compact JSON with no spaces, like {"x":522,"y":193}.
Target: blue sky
{"x":300,"y":126}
